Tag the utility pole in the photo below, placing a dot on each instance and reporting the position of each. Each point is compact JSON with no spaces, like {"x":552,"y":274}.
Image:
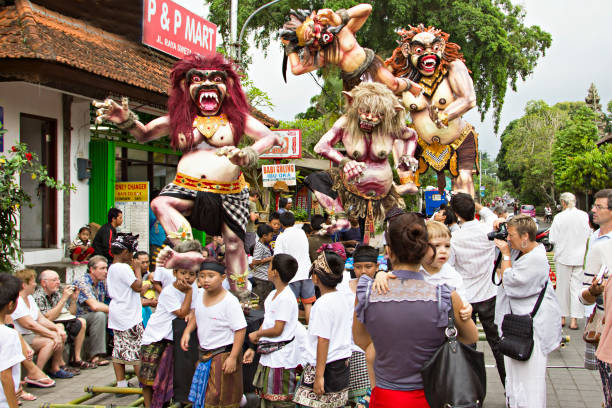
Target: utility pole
{"x":234,"y":28}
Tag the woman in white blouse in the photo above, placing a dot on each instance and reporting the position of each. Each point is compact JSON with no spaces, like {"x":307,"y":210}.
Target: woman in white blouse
{"x":524,"y":272}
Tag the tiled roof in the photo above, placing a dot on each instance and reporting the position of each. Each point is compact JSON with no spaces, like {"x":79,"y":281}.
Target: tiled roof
{"x":34,"y":32}
{"x":30,"y":31}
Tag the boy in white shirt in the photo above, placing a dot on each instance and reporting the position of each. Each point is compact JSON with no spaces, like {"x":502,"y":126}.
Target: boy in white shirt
{"x":293,"y":241}
{"x":11,"y":354}
{"x":174,"y":301}
{"x":221,"y":325}
{"x":325,"y":380}
{"x":125,"y":310}
{"x":275,"y":378}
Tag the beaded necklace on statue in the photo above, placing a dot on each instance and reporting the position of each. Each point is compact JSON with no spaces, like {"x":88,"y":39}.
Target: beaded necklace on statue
{"x":208,"y":125}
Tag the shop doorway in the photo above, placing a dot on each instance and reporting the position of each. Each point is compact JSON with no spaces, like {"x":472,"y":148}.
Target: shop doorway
{"x":38,"y":224}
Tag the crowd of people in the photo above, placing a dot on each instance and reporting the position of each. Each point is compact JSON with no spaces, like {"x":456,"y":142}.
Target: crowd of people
{"x":326,"y":332}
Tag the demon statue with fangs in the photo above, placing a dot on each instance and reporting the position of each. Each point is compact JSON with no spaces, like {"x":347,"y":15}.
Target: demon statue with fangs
{"x":362,"y":185}
{"x":313,"y":40}
{"x":446,"y":141}
{"x":207,"y":115}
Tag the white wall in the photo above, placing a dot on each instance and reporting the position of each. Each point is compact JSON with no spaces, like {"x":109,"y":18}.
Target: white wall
{"x":23,"y":97}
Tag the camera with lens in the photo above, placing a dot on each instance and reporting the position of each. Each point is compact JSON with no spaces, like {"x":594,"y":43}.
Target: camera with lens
{"x":501,"y":233}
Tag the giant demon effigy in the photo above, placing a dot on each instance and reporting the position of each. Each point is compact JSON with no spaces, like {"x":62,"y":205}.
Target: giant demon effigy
{"x":446,"y":141}
{"x":208,"y":113}
{"x":362,"y":185}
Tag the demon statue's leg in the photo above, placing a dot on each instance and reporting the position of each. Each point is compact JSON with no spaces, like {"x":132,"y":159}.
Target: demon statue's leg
{"x":441,"y":177}
{"x":171,"y":212}
{"x":235,"y":261}
{"x":464,"y":182}
{"x":334,"y":207}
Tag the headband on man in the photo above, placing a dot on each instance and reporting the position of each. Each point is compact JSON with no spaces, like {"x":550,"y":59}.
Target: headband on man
{"x":213,"y":266}
{"x":365,"y":258}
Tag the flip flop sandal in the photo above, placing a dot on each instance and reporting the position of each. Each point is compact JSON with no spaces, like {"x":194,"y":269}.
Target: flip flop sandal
{"x":101,"y":362}
{"x":61,"y":374}
{"x":26,"y":396}
{"x":71,"y":370}
{"x":83,"y":365}
{"x":39,"y":383}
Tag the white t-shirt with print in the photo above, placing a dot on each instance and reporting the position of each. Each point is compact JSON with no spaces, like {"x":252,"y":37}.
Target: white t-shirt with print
{"x":11,"y":356}
{"x":331,"y":318}
{"x":159,"y":326}
{"x":23,"y":310}
{"x":284,"y":308}
{"x":217,"y":323}
{"x":125,"y":309}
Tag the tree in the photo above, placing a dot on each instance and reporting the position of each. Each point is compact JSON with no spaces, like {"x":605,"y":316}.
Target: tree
{"x":499,"y":48}
{"x":579,"y":166}
{"x":525,"y":157}
{"x":18,"y":161}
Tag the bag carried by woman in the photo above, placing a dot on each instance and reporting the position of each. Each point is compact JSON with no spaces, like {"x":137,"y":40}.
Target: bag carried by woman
{"x":455,"y":376}
{"x":517,"y":332}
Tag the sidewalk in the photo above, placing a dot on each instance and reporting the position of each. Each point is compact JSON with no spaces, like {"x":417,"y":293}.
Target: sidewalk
{"x":566,"y":387}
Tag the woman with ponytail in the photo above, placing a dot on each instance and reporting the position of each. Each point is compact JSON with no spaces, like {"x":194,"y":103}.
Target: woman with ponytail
{"x":406,"y":324}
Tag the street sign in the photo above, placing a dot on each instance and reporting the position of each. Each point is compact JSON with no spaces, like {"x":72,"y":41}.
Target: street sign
{"x":271,"y":173}
{"x":173,"y":29}
{"x":290,"y":148}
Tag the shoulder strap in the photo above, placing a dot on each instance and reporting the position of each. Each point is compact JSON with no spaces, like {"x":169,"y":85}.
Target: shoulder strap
{"x":537,"y":305}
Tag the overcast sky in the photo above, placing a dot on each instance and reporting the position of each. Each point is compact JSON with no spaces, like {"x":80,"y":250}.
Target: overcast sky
{"x":580,"y":54}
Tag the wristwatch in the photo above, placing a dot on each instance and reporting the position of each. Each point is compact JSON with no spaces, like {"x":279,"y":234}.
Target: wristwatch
{"x":506,"y":258}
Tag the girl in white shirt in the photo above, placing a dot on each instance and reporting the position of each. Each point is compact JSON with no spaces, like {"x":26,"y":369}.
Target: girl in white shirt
{"x":174,"y":301}
{"x":275,"y":378}
{"x":325,"y":380}
{"x":125,"y":310}
{"x":221,"y":326}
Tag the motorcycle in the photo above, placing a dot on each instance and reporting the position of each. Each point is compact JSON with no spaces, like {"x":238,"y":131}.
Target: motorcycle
{"x":542,"y":237}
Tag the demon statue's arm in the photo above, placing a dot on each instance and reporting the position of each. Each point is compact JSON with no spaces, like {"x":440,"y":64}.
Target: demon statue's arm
{"x":248,"y":156}
{"x":127,"y":120}
{"x":463,"y":87}
{"x":325,"y":147}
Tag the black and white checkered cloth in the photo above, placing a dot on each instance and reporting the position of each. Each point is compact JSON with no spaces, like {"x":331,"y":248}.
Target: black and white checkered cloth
{"x":237,"y":206}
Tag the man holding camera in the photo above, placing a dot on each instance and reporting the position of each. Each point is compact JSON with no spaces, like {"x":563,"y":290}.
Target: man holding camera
{"x":473,"y":256}
{"x":53,"y":304}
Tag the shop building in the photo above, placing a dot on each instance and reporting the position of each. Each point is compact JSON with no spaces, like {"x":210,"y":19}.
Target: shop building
{"x":55,"y":57}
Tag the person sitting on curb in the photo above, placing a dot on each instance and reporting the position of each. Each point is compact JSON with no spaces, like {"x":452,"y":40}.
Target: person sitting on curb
{"x":46,"y":338}
{"x":92,"y":308}
{"x":53,"y":304}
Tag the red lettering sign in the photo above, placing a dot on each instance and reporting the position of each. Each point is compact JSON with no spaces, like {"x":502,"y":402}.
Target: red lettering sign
{"x":173,"y":29}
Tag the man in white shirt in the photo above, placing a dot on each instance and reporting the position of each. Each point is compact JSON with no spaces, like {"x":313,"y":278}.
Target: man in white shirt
{"x":602,"y":216}
{"x":293,"y":241}
{"x":473,"y":256}
{"x":570,"y":232}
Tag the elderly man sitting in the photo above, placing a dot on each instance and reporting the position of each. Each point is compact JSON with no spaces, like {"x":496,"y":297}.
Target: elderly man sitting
{"x":53,"y":304}
{"x":45,"y":338}
{"x":91,"y":307}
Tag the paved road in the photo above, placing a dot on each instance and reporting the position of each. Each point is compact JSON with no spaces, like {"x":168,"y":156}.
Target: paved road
{"x":568,"y":385}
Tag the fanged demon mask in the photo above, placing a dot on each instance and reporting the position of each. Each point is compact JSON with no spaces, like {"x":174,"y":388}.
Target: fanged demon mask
{"x":207,"y":89}
{"x":425,"y":51}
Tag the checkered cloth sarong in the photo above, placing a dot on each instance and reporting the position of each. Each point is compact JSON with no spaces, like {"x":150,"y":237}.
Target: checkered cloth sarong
{"x":359,"y":380}
{"x":236,"y":206}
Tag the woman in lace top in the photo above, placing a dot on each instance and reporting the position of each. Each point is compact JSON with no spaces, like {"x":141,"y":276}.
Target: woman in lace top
{"x":406,"y":324}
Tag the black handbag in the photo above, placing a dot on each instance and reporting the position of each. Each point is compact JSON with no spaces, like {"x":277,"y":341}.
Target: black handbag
{"x":517,"y":332}
{"x":455,"y":375}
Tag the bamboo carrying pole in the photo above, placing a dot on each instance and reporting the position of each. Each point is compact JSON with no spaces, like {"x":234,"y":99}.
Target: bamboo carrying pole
{"x":112,"y":390}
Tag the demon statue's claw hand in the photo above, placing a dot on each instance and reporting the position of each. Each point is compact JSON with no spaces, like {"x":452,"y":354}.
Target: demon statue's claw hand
{"x":408,"y":163}
{"x":439,"y":118}
{"x":326,"y":16}
{"x":240,"y":157}
{"x":111,"y":111}
{"x":353,"y":169}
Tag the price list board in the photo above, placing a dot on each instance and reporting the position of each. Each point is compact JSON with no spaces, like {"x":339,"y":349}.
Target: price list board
{"x":132,"y":198}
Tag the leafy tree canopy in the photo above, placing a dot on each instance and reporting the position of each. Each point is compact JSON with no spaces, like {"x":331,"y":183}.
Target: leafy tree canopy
{"x":499,"y":48}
